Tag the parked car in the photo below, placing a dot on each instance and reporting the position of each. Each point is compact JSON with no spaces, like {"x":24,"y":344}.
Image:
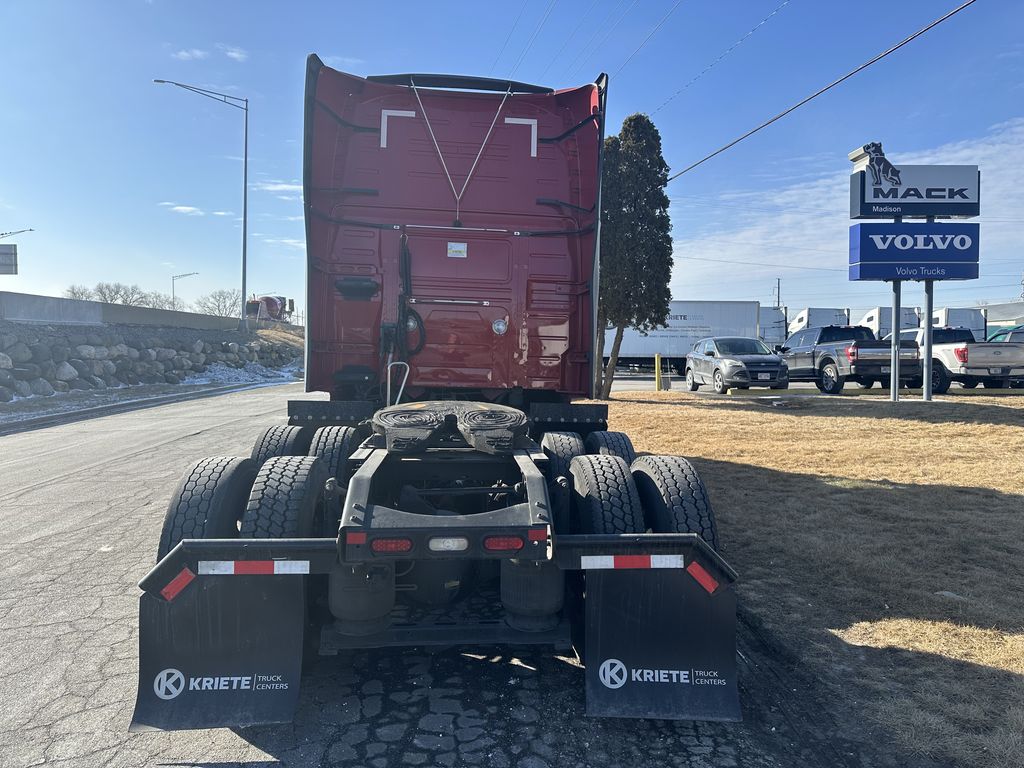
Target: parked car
{"x":739,"y":362}
{"x":956,"y":356}
{"x":1013,"y":333}
{"x":834,"y":354}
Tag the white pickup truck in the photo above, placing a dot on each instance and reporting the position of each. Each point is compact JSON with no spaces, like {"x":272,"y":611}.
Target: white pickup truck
{"x":957,"y":356}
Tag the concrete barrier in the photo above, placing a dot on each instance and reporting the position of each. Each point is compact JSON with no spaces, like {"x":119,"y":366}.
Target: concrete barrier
{"x":29,"y":308}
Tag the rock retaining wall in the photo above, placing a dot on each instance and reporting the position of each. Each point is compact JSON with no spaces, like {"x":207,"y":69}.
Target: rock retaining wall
{"x":48,"y":359}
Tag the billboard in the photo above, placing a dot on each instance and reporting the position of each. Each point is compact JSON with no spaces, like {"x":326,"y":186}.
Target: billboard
{"x":8,"y":259}
{"x":898,"y":251}
{"x":881,"y":190}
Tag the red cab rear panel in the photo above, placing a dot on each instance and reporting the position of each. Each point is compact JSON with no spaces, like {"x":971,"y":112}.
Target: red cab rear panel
{"x":451,"y":223}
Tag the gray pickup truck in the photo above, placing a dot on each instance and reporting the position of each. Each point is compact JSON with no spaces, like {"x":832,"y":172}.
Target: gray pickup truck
{"x":834,"y":354}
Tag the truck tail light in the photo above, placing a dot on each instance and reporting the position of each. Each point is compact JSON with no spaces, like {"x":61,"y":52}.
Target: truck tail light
{"x":389,"y":546}
{"x":961,"y":354}
{"x":851,"y":353}
{"x":503,"y":543}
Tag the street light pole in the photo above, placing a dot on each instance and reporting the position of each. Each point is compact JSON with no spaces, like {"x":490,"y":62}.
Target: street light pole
{"x":174,"y":279}
{"x":243,"y":104}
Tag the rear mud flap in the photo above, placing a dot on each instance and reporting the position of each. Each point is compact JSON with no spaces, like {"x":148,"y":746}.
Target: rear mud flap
{"x":224,"y":651}
{"x":660,"y":643}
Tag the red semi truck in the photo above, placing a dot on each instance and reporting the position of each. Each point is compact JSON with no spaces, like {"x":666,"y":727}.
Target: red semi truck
{"x":451,"y":490}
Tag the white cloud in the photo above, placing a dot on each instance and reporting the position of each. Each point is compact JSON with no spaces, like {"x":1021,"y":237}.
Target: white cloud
{"x":808,"y":241}
{"x":342,"y":61}
{"x":189,"y":54}
{"x":221,"y":213}
{"x":287,"y":242}
{"x":188,"y":210}
{"x":276,"y":186}
{"x":233,"y":52}
{"x":167,"y":204}
{"x":289,"y":198}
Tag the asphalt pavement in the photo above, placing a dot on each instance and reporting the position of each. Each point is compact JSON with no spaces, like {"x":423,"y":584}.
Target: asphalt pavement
{"x":81,"y":505}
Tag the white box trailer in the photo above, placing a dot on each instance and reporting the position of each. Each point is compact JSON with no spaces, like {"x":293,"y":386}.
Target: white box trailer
{"x":688,"y":323}
{"x":879,"y":320}
{"x":815,"y":317}
{"x":953,"y":317}
{"x":772,"y":322}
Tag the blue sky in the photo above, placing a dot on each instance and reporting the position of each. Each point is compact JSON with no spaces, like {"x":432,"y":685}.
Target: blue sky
{"x":131,"y":181}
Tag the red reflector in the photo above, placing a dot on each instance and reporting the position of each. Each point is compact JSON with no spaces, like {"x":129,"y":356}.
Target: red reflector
{"x":703,"y":578}
{"x":254,"y":567}
{"x":503,"y":543}
{"x":632,"y":561}
{"x":537,"y":534}
{"x":178,"y":583}
{"x":391,"y":545}
{"x":355,"y":537}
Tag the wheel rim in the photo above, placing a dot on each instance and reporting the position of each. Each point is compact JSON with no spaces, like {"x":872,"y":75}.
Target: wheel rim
{"x":719,"y":381}
{"x":828,"y":378}
{"x":689,"y":378}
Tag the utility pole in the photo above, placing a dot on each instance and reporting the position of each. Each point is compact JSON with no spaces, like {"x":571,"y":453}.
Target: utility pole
{"x":778,"y":292}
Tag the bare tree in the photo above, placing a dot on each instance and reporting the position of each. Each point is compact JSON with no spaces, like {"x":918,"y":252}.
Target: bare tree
{"x":119,"y":293}
{"x":157,"y":300}
{"x":81,"y":292}
{"x":223,"y":303}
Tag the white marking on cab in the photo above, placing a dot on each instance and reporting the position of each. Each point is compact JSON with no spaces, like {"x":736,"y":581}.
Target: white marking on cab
{"x":384,"y":115}
{"x":532,"y":122}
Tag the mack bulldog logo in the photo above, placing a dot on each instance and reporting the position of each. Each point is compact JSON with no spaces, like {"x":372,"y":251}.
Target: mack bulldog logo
{"x":880,"y":167}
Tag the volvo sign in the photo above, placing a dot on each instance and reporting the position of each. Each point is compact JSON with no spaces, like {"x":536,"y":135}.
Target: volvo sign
{"x":881,"y":190}
{"x":897,"y":251}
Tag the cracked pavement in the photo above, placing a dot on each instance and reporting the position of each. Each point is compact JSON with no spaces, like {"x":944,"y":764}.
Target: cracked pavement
{"x":81,"y":507}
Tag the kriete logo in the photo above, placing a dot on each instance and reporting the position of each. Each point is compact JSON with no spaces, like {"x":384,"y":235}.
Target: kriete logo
{"x":922,"y":242}
{"x":614,"y":674}
{"x":169,"y":683}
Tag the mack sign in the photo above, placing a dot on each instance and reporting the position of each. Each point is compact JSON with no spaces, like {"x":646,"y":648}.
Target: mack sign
{"x":881,"y":190}
{"x":896,"y":251}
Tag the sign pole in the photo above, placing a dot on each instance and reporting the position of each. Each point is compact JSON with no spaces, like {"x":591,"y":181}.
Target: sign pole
{"x":894,"y":382}
{"x":926,"y":357}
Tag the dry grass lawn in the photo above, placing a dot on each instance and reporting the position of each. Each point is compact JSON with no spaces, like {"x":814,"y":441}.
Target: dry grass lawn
{"x":883,"y":545}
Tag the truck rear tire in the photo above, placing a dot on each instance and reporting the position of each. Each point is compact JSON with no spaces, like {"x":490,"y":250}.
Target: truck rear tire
{"x":532,"y":593}
{"x":829,"y":380}
{"x":561,"y":448}
{"x":611,"y":444}
{"x":209,"y":501}
{"x":674,"y":498}
{"x":281,"y":440}
{"x":971,"y":384}
{"x":605,"y":499}
{"x":333,"y":446}
{"x":866,"y":383}
{"x":287,"y":498}
{"x":940,"y":379}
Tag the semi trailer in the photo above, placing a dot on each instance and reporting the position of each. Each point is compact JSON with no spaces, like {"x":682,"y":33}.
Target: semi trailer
{"x":453,"y":489}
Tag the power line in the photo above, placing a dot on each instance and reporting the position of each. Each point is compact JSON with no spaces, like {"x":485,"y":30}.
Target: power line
{"x":762,"y":264}
{"x":565,"y":43}
{"x":649,"y":36}
{"x":607,"y":34}
{"x":508,"y":37}
{"x":536,"y":32}
{"x":721,"y":56}
{"x":820,"y":91}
